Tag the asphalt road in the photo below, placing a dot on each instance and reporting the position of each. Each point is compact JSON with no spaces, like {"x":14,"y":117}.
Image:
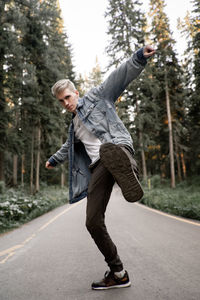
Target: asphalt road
{"x":54,"y":258}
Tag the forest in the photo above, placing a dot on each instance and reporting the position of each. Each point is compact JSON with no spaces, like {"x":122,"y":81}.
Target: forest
{"x":161,"y":109}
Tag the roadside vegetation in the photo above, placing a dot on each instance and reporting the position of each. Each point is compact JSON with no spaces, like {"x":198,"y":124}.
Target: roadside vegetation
{"x":17,"y":206}
{"x":182,"y":201}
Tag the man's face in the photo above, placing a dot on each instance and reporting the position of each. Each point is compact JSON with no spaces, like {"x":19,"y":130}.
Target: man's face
{"x":68,"y":99}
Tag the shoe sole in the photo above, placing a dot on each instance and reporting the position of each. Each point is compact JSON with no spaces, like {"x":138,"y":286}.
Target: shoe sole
{"x":118,"y":164}
{"x":113,"y":286}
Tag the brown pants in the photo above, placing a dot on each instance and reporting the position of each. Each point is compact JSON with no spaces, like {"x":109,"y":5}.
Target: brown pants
{"x":99,"y":191}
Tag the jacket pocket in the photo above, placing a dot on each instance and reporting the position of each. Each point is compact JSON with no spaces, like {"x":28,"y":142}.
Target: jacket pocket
{"x":89,"y":110}
{"x":98,"y":114}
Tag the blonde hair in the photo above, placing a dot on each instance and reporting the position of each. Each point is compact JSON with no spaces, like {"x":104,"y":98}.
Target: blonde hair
{"x":61,"y":85}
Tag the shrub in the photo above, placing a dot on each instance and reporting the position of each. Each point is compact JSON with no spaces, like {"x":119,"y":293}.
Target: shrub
{"x":183,"y":201}
{"x":18,"y":207}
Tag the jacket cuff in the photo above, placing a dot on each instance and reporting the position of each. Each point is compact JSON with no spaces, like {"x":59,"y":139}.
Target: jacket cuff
{"x":140,"y":56}
{"x":52,"y":162}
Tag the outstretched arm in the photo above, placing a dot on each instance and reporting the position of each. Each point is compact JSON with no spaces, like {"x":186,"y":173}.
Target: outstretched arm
{"x":120,"y":78}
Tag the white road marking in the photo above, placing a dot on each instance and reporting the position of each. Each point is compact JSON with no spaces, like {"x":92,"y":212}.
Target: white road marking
{"x":196,"y":223}
{"x":11,"y":251}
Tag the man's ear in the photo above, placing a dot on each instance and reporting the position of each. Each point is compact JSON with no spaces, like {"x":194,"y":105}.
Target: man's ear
{"x":77,"y":92}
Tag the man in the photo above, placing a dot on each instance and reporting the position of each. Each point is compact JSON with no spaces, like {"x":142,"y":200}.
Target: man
{"x":100,"y":152}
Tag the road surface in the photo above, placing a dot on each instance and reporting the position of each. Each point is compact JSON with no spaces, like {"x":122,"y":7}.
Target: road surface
{"x":54,"y":258}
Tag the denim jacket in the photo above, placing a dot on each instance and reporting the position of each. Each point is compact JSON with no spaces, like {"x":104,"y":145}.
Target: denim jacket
{"x":97,"y":112}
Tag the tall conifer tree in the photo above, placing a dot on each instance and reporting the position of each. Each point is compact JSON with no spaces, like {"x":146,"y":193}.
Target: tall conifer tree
{"x":127,"y":29}
{"x":11,"y":72}
{"x":194,"y":103}
{"x":34,"y":54}
{"x":126,"y":24}
{"x":167,"y":74}
{"x":50,"y":54}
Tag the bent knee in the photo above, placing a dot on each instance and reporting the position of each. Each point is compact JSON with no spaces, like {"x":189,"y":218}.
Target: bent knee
{"x":94,"y":224}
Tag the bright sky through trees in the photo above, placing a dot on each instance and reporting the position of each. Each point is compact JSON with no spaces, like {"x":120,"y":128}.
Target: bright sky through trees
{"x":86,"y":27}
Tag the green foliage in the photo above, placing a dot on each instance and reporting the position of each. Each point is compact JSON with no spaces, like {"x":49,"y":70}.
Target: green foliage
{"x":94,"y":78}
{"x":127,"y":33}
{"x":34,"y":54}
{"x":18,"y":207}
{"x":183,"y":201}
{"x":125,"y":29}
{"x":143,"y":107}
{"x":155,"y":181}
{"x":194,"y":92}
{"x":166,"y":77}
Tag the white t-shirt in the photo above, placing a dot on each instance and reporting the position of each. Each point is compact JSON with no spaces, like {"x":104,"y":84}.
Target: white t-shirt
{"x":90,"y":141}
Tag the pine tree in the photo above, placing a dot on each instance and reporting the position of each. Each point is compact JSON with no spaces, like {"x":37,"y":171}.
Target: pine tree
{"x":95,"y":76}
{"x":85,"y":83}
{"x":167,"y":74}
{"x":186,"y":28}
{"x":11,"y":72}
{"x":50,"y":54}
{"x":194,"y":99}
{"x":127,"y":25}
{"x":4,"y":118}
{"x":33,"y":55}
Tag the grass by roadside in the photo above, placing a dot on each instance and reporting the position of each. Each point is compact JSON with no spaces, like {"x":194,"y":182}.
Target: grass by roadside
{"x":17,"y":206}
{"x":182,"y":201}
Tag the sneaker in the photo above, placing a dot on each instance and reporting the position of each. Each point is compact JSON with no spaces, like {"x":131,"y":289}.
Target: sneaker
{"x":111,"y":281}
{"x":120,"y":163}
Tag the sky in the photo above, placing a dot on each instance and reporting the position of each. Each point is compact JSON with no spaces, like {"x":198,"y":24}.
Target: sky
{"x":86,"y":28}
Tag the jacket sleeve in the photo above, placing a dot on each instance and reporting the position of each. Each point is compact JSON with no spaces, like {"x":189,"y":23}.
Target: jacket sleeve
{"x":120,"y":78}
{"x":60,"y":156}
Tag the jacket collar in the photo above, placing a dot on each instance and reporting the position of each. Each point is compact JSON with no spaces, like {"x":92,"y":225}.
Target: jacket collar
{"x":80,"y":103}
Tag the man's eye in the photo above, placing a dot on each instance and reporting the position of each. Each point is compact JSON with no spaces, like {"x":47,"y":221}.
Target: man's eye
{"x":61,"y":100}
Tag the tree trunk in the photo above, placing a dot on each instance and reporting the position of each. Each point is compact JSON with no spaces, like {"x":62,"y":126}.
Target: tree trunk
{"x":163,"y":170}
{"x":2,"y":99}
{"x":15,"y":159}
{"x":171,"y":147}
{"x":1,"y":166}
{"x":15,"y":156}
{"x":178,"y":167}
{"x":22,"y":170}
{"x":144,"y":166}
{"x":178,"y":160}
{"x":183,"y":166}
{"x":62,"y":176}
{"x":32,"y":161}
{"x":37,"y":180}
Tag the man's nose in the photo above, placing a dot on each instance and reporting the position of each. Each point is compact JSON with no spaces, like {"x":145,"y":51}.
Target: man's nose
{"x":66,"y":102}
